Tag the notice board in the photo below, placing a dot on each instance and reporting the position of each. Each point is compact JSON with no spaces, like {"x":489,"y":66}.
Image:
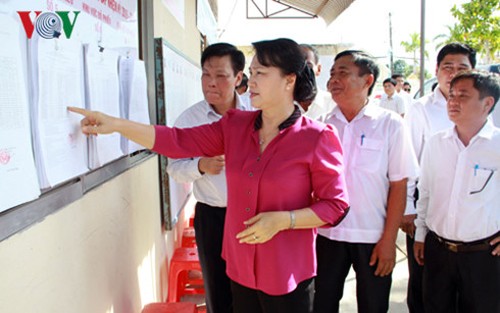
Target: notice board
{"x":178,"y":86}
{"x":43,"y":38}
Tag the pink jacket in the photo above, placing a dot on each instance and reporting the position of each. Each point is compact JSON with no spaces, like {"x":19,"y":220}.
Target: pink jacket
{"x":301,"y":167}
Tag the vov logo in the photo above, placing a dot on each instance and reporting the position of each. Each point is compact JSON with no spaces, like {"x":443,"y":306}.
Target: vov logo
{"x":48,"y":24}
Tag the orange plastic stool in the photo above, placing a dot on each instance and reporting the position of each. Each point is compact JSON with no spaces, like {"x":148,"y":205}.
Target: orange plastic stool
{"x":180,"y":307}
{"x":202,"y":309}
{"x":183,"y":261}
{"x":188,"y":238}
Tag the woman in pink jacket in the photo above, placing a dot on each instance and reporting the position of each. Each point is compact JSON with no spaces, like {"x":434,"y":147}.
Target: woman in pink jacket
{"x":284,"y":173}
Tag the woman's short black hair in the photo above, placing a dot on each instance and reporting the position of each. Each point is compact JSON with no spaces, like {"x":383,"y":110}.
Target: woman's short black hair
{"x":287,"y":55}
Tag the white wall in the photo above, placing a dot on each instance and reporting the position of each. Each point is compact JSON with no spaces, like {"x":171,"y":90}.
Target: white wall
{"x":101,"y":254}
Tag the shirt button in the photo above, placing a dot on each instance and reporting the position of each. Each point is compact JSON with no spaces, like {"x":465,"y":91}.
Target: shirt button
{"x":258,"y":159}
{"x":247,"y":209}
{"x":250,"y":174}
{"x":249,"y":192}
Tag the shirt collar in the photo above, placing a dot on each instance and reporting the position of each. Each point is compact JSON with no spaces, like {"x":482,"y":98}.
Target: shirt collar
{"x":450,"y":132}
{"x":369,"y":110}
{"x":486,"y":132}
{"x":240,"y":105}
{"x":439,"y":98}
{"x":285,"y":124}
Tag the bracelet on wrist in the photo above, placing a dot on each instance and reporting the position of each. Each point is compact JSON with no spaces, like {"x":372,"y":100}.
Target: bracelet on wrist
{"x":292,"y":220}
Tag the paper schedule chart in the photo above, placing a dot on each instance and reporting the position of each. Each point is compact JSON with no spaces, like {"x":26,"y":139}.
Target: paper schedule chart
{"x":133,"y":85}
{"x":60,"y":146}
{"x":18,"y":179}
{"x":41,"y":143}
{"x":102,"y":94}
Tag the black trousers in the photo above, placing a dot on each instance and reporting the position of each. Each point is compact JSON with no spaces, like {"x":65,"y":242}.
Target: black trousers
{"x":334,"y":262}
{"x":465,"y":282}
{"x":209,"y":230}
{"x":415,"y":294}
{"x":415,"y":297}
{"x":247,"y":300}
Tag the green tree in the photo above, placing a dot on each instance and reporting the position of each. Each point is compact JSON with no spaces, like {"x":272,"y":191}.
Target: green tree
{"x":427,"y":75}
{"x":413,"y":46}
{"x":454,"y":31}
{"x":478,"y":26}
{"x":401,"y":67}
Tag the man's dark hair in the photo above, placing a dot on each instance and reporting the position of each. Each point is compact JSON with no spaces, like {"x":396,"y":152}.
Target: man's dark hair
{"x":396,"y":76}
{"x":244,"y":81}
{"x":365,"y":63}
{"x":390,"y":80}
{"x":313,"y":50}
{"x":222,"y":49}
{"x":434,"y":85}
{"x":457,"y":48}
{"x":488,"y":84}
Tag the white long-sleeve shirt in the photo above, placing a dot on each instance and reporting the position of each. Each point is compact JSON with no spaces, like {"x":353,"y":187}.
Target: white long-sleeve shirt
{"x":460,"y":186}
{"x":425,"y":117}
{"x":377,"y":150}
{"x":395,"y":103}
{"x":407,"y":98}
{"x":209,"y":189}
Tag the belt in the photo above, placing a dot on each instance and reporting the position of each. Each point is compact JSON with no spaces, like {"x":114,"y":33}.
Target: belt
{"x":457,"y":246}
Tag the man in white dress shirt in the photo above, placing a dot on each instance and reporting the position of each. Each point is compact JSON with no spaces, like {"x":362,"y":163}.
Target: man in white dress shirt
{"x":407,"y":87}
{"x":222,"y":70}
{"x":400,"y":90}
{"x":459,"y":204}
{"x":426,"y":117}
{"x":323,"y":102}
{"x":390,"y":99}
{"x":378,"y":160}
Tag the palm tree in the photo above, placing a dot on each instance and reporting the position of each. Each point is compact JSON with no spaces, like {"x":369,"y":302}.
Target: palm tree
{"x":413,"y":46}
{"x":455,"y":34}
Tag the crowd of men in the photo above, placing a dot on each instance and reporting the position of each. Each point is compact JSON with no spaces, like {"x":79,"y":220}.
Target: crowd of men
{"x":428,"y":167}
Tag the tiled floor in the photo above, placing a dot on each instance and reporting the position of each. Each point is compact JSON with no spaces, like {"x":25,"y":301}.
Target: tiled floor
{"x":348,"y":303}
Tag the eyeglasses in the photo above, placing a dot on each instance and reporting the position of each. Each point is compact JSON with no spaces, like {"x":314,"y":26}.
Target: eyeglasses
{"x":407,"y":89}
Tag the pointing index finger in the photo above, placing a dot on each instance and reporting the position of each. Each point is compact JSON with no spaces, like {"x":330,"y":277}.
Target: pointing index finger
{"x":79,"y":111}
